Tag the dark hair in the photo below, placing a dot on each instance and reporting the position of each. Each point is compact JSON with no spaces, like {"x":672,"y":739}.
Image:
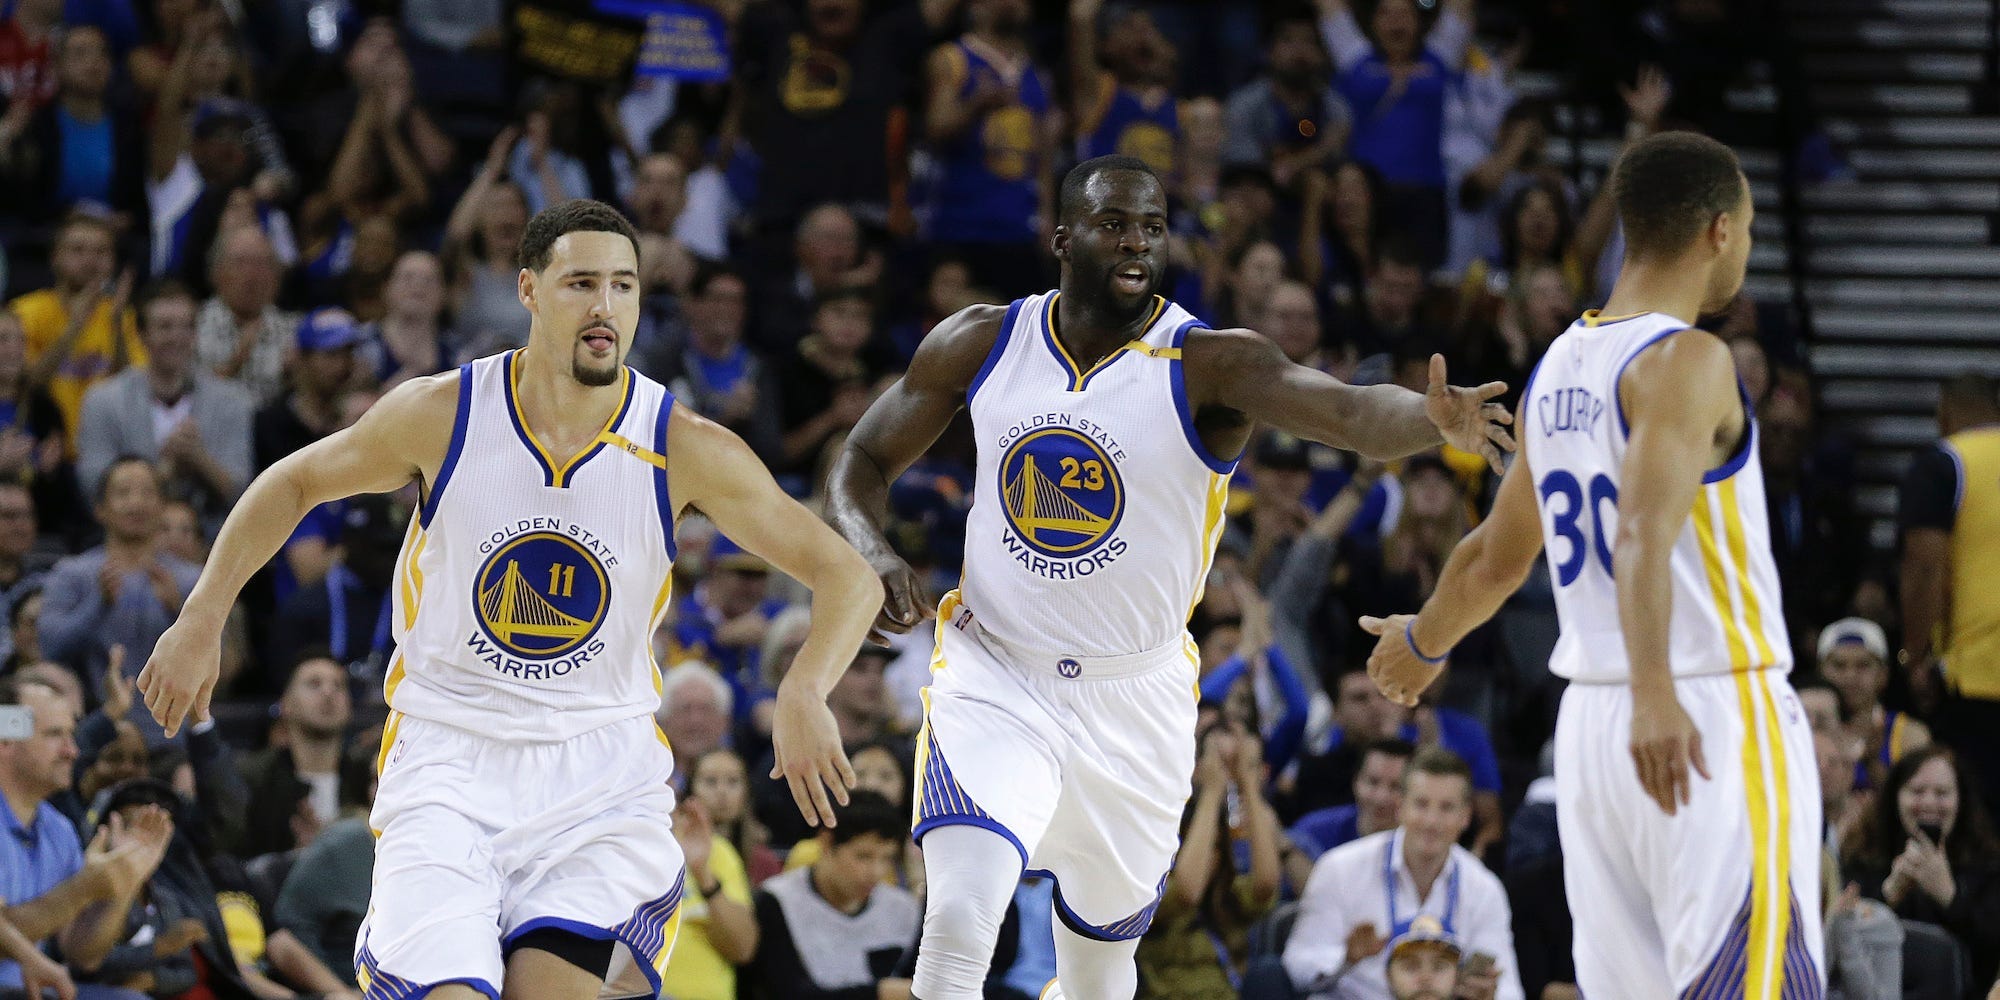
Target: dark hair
{"x":577,"y":215}
{"x":1670,"y":186}
{"x":1436,"y":760}
{"x":1399,"y":250}
{"x":1971,"y":838}
{"x":85,"y":219}
{"x":1070,"y":202}
{"x":897,"y":750}
{"x":710,"y":272}
{"x":1390,"y":746}
{"x":308,"y":654}
{"x":843,"y":293}
{"x":158,"y":289}
{"x":103,"y":489}
{"x":867,"y":813}
{"x":1287,"y":16}
{"x":1510,"y":240}
{"x":10,"y":689}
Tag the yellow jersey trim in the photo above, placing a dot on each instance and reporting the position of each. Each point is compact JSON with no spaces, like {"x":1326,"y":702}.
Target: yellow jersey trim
{"x":558,"y":473}
{"x":1079,"y":377}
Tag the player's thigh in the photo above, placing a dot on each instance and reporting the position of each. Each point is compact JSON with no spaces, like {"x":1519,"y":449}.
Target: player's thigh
{"x":989,"y":754}
{"x":435,"y":901}
{"x":535,"y":974}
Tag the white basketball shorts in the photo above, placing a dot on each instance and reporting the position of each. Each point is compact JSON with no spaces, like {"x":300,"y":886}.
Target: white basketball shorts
{"x":1083,"y":764}
{"x":483,"y":840}
{"x":1722,"y":898}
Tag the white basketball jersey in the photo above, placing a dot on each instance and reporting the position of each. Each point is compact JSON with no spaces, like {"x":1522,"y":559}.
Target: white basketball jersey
{"x":1727,"y":615}
{"x":1097,"y":508}
{"x":528,"y":590}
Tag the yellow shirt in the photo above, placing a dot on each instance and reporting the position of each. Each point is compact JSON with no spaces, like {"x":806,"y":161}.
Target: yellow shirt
{"x":697,"y":971}
{"x":92,"y":358}
{"x":1972,"y":646}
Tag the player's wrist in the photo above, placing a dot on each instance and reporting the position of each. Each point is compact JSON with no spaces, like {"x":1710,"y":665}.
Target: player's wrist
{"x":1417,"y":646}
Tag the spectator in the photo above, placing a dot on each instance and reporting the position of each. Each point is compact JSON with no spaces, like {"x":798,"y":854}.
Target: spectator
{"x":1425,"y":964}
{"x":834,"y":931}
{"x":478,"y":249}
{"x":1199,"y":940}
{"x":859,"y":701}
{"x":1361,"y":715}
{"x":1291,"y":319}
{"x":1401,"y":78}
{"x":1387,"y":324}
{"x":812,"y":80}
{"x":1126,"y":105}
{"x":1342,"y":223}
{"x":242,"y":334}
{"x":70,"y":327}
{"x":409,"y":340}
{"x":544,"y":161}
{"x":718,"y":375}
{"x":80,"y":149}
{"x":695,"y":712}
{"x":1544,"y":930}
{"x":1948,"y":546}
{"x":881,"y":766}
{"x":1258,"y":666}
{"x":990,"y":118}
{"x":22,"y":568}
{"x":296,"y":784}
{"x":322,"y":368}
{"x":53,"y":886}
{"x":122,"y":593}
{"x":1290,"y":118}
{"x":1854,"y":658}
{"x":830,"y":260}
{"x":718,"y":928}
{"x":375,"y":178}
{"x":1335,"y":949}
{"x":349,"y":546}
{"x":1843,"y":808}
{"x":724,"y":620}
{"x":27,"y":78}
{"x":34,"y":441}
{"x":1377,"y":800}
{"x":1810,"y":497}
{"x":24,"y":629}
{"x":827,"y":381}
{"x":659,"y":195}
{"x":325,"y":894}
{"x":171,"y":411}
{"x":705,"y":222}
{"x":720,"y":782}
{"x":1929,"y":852}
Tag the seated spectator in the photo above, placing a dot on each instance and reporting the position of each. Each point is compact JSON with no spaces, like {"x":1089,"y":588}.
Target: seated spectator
{"x":1854,"y":658}
{"x":24,"y":630}
{"x":547,"y":162}
{"x":1425,"y":963}
{"x":718,"y":928}
{"x":325,"y":894}
{"x":1199,"y":940}
{"x":480,"y":239}
{"x":296,"y":784}
{"x":1361,"y":715}
{"x":1843,"y":809}
{"x":170,"y":410}
{"x":1336,"y":947}
{"x":322,"y":367}
{"x":27,"y":75}
{"x":1257,"y":666}
{"x":54,"y":888}
{"x":355,"y":543}
{"x":70,"y":326}
{"x":1377,"y":801}
{"x":1387,"y":322}
{"x":409,"y":340}
{"x":1929,"y":852}
{"x":22,"y":567}
{"x":720,"y":782}
{"x":122,"y":593}
{"x":834,"y":931}
{"x":718,"y":375}
{"x":882,"y":767}
{"x":724,"y":620}
{"x":695,"y":713}
{"x":829,"y":259}
{"x":80,"y":149}
{"x":243,"y":335}
{"x":34,"y":441}
{"x":1820,"y":702}
{"x":1254,"y":273}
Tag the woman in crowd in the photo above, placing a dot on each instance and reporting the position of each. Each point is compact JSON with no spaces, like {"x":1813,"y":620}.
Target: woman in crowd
{"x":478,"y":252}
{"x":719,"y":781}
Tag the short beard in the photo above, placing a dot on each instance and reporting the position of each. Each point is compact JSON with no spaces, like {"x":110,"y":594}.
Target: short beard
{"x":593,"y":377}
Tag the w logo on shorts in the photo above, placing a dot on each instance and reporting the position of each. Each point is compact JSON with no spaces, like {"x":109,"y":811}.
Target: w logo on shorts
{"x":1069,"y":668}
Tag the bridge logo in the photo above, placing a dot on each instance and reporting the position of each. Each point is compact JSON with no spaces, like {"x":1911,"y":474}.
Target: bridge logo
{"x":541,"y":595}
{"x":1060,"y":491}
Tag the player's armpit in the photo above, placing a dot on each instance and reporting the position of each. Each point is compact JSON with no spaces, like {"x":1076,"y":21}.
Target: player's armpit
{"x":404,"y":436}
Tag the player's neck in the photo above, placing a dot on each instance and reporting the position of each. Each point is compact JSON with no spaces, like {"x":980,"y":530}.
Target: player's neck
{"x":558,"y":406}
{"x":1656,"y":286}
{"x":1091,"y":330}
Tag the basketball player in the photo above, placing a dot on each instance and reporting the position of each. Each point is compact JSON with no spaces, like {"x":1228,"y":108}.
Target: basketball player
{"x":1059,"y":726}
{"x":1700,"y":878}
{"x":523,"y":783}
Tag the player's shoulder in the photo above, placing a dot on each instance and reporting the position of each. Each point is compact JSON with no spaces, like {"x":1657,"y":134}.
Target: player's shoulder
{"x":1684,"y":356}
{"x":1203,"y":346}
{"x":955,"y":349}
{"x":423,"y":397}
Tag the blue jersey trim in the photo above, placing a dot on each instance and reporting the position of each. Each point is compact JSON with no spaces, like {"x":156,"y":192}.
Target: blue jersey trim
{"x":459,"y":422}
{"x":1178,"y":381}
{"x":662,"y":498}
{"x":1958,"y":487}
{"x":999,"y":348}
{"x":1618,"y":377}
{"x":982,"y":822}
{"x":1744,"y":448}
{"x":1131,"y":927}
{"x":383,"y":986}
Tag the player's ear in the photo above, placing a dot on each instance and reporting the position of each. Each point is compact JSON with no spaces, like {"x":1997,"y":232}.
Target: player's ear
{"x":1718,"y":230}
{"x":524,"y":288}
{"x":1059,"y":243}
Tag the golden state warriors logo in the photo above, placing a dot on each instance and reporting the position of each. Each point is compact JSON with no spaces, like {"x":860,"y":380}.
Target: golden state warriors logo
{"x":1009,"y":137}
{"x":541,"y":595}
{"x":1151,"y":143}
{"x":1061,"y":491}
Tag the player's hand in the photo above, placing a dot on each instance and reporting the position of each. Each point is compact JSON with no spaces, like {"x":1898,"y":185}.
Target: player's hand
{"x":905,"y":599}
{"x":805,"y":742}
{"x":1394,"y":666}
{"x":1468,"y":418}
{"x":39,"y":972}
{"x":180,"y":676}
{"x":1664,"y":744}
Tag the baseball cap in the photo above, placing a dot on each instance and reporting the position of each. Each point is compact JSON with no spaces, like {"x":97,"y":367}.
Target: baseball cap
{"x":217,"y":113}
{"x":1856,"y":631}
{"x":328,"y":330}
{"x":727,"y":555}
{"x":1426,"y":930}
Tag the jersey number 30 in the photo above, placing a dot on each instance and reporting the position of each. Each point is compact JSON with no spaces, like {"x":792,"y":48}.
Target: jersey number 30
{"x":1571,"y":511}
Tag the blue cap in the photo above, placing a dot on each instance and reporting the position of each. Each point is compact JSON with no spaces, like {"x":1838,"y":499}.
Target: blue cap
{"x":217,"y":112}
{"x":725,"y":554}
{"x":328,"y":330}
{"x":1425,"y":930}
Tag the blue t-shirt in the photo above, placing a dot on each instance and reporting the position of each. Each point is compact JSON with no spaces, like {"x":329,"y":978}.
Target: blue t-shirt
{"x":1322,"y":830}
{"x":1463,"y":735}
{"x":723,"y":375}
{"x":86,"y":159}
{"x":1399,"y":134}
{"x":34,"y":860}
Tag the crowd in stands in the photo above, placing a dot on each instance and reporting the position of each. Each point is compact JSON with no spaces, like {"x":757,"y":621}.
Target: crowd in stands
{"x":231,"y":225}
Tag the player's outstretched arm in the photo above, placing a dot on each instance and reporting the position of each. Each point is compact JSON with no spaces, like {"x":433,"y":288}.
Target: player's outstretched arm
{"x":1244,"y":371}
{"x":1487,"y":565}
{"x":897,"y":429}
{"x":711,"y":469}
{"x":402,"y":437}
{"x":1679,"y":397}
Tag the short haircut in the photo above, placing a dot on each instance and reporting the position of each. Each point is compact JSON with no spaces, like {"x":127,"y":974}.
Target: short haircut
{"x":85,"y":219}
{"x":696,"y":672}
{"x":157,"y":290}
{"x":103,"y":490}
{"x":1390,"y":746}
{"x":867,"y":813}
{"x":1070,"y":202}
{"x":1400,"y":251}
{"x":710,"y":272}
{"x":577,"y":215}
{"x":844,"y":293}
{"x":1670,"y":187}
{"x":309,"y":654}
{"x":1288,"y":16}
{"x":1436,"y":760}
